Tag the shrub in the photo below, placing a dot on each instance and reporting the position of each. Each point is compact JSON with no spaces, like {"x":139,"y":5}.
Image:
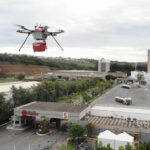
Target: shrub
{"x":20,"y":76}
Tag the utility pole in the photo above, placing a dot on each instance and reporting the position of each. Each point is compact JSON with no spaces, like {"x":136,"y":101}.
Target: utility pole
{"x":14,"y":147}
{"x":135,"y":66}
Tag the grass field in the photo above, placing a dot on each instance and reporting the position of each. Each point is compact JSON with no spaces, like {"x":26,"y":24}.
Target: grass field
{"x":4,"y":80}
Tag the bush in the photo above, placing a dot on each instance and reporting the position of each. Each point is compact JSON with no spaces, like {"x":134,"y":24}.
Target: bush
{"x":75,"y":131}
{"x":68,"y":147}
{"x":43,"y":125}
{"x":2,"y":74}
{"x":110,"y":77}
{"x":20,"y":76}
{"x":90,"y":128}
{"x":86,"y":97}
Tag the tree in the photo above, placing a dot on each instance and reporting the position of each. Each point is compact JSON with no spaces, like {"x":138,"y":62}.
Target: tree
{"x":110,"y":77}
{"x":121,"y":148}
{"x":21,"y":96}
{"x":142,"y":146}
{"x":43,"y":125}
{"x":2,"y":74}
{"x":20,"y":76}
{"x":90,"y":128}
{"x":5,"y":109}
{"x":75,"y":131}
{"x":101,"y":147}
{"x":86,"y":97}
{"x":128,"y":147}
{"x":51,"y":62}
{"x":45,"y":92}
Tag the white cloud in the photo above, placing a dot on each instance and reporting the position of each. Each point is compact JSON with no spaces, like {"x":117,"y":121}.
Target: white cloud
{"x":121,"y":27}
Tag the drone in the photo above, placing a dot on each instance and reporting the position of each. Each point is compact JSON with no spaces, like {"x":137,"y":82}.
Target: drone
{"x":40,"y":34}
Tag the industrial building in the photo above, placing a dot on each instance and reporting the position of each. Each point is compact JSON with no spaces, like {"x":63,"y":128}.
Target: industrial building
{"x":120,"y":112}
{"x":103,"y":65}
{"x":71,"y":74}
{"x":107,"y":114}
{"x":32,"y":112}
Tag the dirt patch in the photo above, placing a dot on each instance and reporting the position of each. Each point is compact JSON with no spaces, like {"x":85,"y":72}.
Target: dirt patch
{"x":26,"y":69}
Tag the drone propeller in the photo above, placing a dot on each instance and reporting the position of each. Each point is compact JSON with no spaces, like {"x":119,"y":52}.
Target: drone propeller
{"x":24,"y":41}
{"x":57,"y":43}
{"x":22,"y":27}
{"x":19,"y":25}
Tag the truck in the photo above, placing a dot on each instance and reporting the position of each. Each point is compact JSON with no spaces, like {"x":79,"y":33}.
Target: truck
{"x":126,"y":86}
{"x":125,"y":101}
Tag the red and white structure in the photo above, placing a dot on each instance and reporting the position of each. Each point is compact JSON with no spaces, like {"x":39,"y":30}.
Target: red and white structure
{"x":32,"y":112}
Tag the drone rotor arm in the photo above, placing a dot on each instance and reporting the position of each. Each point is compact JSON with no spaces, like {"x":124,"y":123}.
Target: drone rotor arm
{"x":24,"y":41}
{"x":26,"y":29}
{"x":22,"y":31}
{"x":23,"y":27}
{"x":55,"y":33}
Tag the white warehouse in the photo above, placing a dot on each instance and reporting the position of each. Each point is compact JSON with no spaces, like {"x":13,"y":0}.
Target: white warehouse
{"x":121,"y":112}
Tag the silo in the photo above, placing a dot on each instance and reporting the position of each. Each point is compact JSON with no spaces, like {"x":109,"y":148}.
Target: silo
{"x":103,"y":65}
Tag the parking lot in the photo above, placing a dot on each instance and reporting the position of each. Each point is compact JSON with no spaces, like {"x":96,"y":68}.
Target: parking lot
{"x":140,"y":97}
{"x":28,"y":140}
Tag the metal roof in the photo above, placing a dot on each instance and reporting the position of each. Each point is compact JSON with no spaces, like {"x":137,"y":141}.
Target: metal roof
{"x":120,"y":124}
{"x":122,"y":109}
{"x":52,"y":106}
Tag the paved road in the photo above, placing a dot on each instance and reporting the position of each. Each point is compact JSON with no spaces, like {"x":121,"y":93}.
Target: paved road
{"x":6,"y":87}
{"x":21,"y":141}
{"x":140,"y":97}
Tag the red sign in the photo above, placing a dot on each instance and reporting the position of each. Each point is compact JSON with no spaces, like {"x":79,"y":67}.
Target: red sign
{"x":30,"y":113}
{"x":65,"y":115}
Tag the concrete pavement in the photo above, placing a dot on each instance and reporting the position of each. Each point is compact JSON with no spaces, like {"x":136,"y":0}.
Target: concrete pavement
{"x":23,"y":140}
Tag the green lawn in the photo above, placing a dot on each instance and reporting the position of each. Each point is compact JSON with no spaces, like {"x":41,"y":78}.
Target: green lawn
{"x":4,"y":80}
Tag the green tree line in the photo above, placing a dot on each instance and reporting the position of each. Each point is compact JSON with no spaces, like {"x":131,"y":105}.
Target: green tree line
{"x":5,"y":109}
{"x":54,"y":91}
{"x":80,"y":64}
{"x":127,"y":67}
{"x":51,"y":62}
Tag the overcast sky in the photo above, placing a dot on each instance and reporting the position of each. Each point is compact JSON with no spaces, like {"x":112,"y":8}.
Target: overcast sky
{"x":113,"y":29}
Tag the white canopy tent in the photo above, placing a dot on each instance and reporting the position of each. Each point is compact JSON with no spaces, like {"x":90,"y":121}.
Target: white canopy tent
{"x":123,"y":139}
{"x":115,"y":141}
{"x":107,"y":137}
